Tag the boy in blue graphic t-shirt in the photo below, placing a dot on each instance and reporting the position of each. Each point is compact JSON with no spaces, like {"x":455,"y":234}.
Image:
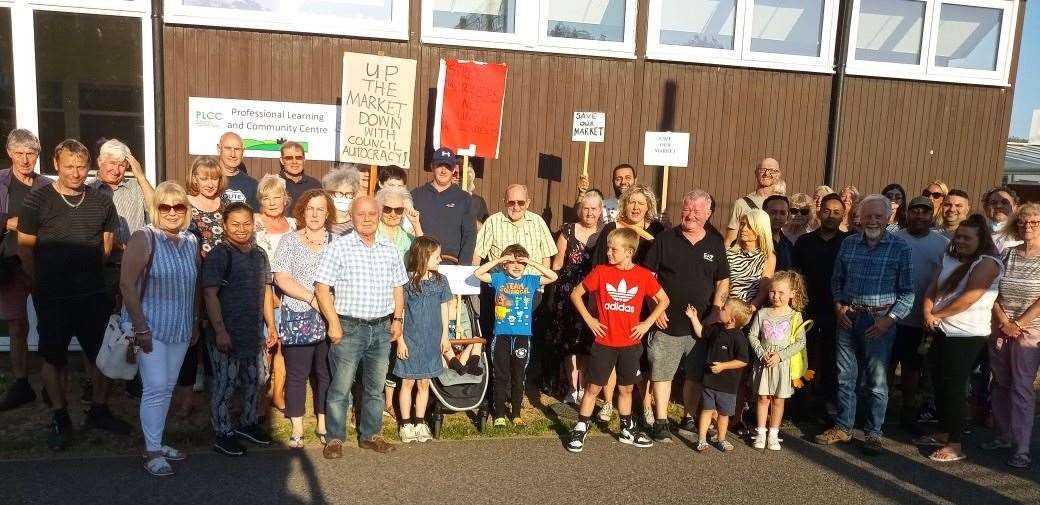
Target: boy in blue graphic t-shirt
{"x":514,"y":308}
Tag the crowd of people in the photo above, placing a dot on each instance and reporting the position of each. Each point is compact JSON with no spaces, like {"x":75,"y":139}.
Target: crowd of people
{"x":803,"y":305}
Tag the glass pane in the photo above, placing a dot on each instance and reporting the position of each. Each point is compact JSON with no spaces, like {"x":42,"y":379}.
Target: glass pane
{"x":698,"y":23}
{"x":379,"y":10}
{"x":479,"y":15}
{"x":82,"y":92}
{"x":248,"y":5}
{"x":890,"y":31}
{"x":7,"y":117}
{"x":587,"y":19}
{"x":969,"y":37}
{"x":792,"y":27}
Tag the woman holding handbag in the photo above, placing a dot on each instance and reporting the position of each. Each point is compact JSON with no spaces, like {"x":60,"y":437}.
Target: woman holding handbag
{"x":160,"y":298}
{"x":301,"y":327}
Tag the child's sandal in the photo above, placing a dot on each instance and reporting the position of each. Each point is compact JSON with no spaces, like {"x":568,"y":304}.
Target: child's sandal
{"x":296,"y":441}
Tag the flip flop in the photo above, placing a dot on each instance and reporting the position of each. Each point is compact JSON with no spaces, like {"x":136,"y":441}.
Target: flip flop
{"x":941,"y":456}
{"x":927,"y":441}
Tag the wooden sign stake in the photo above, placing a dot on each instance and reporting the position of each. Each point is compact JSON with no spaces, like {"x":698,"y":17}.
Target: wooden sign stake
{"x":458,"y":316}
{"x":373,"y":176}
{"x":664,"y":190}
{"x":585,"y":162}
{"x":464,"y":176}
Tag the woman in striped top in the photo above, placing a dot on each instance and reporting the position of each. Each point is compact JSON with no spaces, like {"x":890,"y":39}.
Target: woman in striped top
{"x":751,"y":259}
{"x":162,"y":314}
{"x":1015,"y":346}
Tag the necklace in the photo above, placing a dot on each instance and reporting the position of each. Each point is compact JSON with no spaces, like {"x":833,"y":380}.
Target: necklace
{"x":82,"y":196}
{"x":321,"y":242}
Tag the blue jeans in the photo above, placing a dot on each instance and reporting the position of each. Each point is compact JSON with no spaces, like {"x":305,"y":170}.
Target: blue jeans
{"x":366,"y":345}
{"x":855,"y":350}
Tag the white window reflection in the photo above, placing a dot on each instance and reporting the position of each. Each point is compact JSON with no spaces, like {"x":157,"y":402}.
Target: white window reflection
{"x":890,"y":31}
{"x":480,"y":15}
{"x":602,"y":20}
{"x":793,"y":27}
{"x":968,"y":37}
{"x":698,"y":23}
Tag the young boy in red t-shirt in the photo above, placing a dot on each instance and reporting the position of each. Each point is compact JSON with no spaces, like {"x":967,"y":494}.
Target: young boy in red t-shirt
{"x":620,"y":289}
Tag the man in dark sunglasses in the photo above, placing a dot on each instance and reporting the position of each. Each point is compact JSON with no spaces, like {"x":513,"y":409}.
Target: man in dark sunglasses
{"x":296,"y":182}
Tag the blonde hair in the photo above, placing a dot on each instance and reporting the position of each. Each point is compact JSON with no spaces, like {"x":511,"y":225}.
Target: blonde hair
{"x":943,"y":188}
{"x":205,"y":166}
{"x":780,"y":188}
{"x":758,"y":221}
{"x":624,"y":237}
{"x":797,"y":284}
{"x":270,"y":184}
{"x":739,"y":310}
{"x":651,"y":201}
{"x":1011,"y":229}
{"x":170,"y":193}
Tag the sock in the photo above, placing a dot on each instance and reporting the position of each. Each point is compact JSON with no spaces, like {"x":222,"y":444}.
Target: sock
{"x":774,"y":433}
{"x":456,"y":365}
{"x":402,"y":422}
{"x":473,"y":366}
{"x":661,"y":422}
{"x":420,"y":420}
{"x":761,"y":430}
{"x":583,"y":422}
{"x":626,"y":421}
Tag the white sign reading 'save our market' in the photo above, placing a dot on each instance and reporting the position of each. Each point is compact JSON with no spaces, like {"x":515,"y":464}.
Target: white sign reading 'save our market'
{"x":666,"y":149}
{"x":264,"y":126}
{"x":589,"y":127}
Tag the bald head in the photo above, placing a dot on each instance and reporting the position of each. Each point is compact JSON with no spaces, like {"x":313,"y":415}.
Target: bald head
{"x":364,"y":213}
{"x":767,"y":172}
{"x":230,"y":153}
{"x":516,"y":201}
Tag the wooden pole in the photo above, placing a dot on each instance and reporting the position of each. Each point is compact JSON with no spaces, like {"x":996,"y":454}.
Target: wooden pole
{"x":664,"y":190}
{"x":464,"y":176}
{"x":458,"y":316}
{"x":585,"y":162}
{"x":373,"y":178}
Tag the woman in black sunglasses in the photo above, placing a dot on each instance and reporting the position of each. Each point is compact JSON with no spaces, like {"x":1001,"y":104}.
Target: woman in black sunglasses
{"x":802,"y":219}
{"x":936,"y":190}
{"x":897,"y":197}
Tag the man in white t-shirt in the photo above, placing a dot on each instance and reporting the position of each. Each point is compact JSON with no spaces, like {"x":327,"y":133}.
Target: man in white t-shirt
{"x":767,"y":174}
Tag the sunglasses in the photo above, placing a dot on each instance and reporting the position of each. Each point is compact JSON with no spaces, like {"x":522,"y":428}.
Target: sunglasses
{"x":293,"y":158}
{"x":516,"y":203}
{"x":178,"y":208}
{"x":934,"y":194}
{"x":803,"y":211}
{"x":393,"y":210}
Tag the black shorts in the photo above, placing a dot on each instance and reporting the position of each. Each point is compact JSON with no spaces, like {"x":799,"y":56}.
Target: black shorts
{"x":904,"y":352}
{"x":57,"y":321}
{"x":603,"y":359}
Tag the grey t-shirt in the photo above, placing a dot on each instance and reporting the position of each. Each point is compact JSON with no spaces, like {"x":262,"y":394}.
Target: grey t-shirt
{"x":926,"y":253}
{"x":242,"y":277}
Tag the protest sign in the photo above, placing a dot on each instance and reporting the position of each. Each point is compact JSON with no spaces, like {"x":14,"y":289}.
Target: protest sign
{"x":376,"y":117}
{"x":460,"y":279}
{"x":263,"y":125}
{"x":470,"y":98}
{"x":589,"y":127}
{"x":666,"y":149}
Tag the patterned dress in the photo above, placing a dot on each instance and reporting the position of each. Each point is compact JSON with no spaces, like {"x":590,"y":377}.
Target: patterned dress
{"x":745,"y":272}
{"x":208,"y":227}
{"x":569,"y":334}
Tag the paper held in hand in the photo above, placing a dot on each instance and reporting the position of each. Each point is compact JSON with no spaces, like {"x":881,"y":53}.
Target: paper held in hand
{"x":460,"y":279}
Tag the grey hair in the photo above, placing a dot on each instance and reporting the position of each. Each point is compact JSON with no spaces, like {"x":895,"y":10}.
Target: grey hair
{"x":271,"y":183}
{"x":875,"y":198}
{"x":345,"y":173}
{"x":114,"y":149}
{"x":383,"y":194}
{"x":594,"y":196}
{"x":20,"y":137}
{"x":698,"y":194}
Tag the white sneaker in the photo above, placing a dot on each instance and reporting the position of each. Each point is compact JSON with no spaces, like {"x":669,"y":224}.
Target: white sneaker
{"x":760,"y":441}
{"x":581,"y":395}
{"x":773,"y":444}
{"x":572,"y":398}
{"x":407,"y":433}
{"x":606,"y":412}
{"x":422,"y":433}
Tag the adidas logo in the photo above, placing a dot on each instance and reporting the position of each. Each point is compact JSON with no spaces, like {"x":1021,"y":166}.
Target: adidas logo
{"x":619,"y":307}
{"x":621,"y":293}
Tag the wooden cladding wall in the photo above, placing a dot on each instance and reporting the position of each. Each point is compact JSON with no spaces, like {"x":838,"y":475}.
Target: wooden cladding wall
{"x":735,"y":116}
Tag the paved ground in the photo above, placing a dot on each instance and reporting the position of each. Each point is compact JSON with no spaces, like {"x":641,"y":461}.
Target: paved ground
{"x":533,"y":470}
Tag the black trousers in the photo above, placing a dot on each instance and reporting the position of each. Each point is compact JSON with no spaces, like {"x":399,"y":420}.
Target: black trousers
{"x":953,"y":359}
{"x":510,"y":355}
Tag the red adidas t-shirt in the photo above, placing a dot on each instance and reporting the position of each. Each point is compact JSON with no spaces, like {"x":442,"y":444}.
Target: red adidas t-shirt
{"x":619,"y":298}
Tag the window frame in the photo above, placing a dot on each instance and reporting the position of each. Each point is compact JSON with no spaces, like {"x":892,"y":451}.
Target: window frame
{"x":927,"y":70}
{"x":531,"y":27}
{"x":177,"y":13}
{"x":741,"y":55}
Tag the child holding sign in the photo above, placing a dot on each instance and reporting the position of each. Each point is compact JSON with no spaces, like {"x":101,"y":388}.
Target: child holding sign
{"x":514,"y":309}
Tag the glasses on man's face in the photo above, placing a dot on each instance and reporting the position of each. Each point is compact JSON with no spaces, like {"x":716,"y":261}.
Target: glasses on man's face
{"x":935,"y":195}
{"x":768,"y":171}
{"x":516,"y":203}
{"x":393,"y":210}
{"x":293,"y":158}
{"x":804,"y":211}
{"x":177,"y":208}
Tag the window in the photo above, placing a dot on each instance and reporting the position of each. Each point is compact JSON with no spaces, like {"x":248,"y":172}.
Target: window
{"x":386,"y":19}
{"x":7,"y":114}
{"x":784,"y":34}
{"x":965,"y":41}
{"x":588,"y":27}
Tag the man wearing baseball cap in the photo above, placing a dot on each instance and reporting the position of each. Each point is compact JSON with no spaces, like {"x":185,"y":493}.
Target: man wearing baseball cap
{"x":926,"y":248}
{"x":446,"y":209}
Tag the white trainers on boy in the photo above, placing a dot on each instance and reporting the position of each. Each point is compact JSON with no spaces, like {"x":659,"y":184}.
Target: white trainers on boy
{"x":407,"y":433}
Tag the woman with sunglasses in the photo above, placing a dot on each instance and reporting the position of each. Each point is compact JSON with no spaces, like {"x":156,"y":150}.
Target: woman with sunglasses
{"x":802,"y":218}
{"x":396,"y":205}
{"x":158,"y":283}
{"x":936,"y":190}
{"x":342,"y":185}
{"x":897,"y":198}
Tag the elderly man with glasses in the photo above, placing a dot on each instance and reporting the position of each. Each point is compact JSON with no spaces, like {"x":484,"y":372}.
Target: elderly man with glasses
{"x":296,"y":182}
{"x":767,"y":175}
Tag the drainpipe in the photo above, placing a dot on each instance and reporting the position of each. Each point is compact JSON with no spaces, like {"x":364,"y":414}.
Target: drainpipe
{"x":160,"y":90}
{"x":837,"y":88}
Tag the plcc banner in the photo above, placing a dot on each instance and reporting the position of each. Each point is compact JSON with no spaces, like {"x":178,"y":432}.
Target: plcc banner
{"x":470,"y":97}
{"x":376,"y":116}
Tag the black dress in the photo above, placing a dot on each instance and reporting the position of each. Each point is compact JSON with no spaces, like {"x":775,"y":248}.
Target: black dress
{"x":569,"y":334}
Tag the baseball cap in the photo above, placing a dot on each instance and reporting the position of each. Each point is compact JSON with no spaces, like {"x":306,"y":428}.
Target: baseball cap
{"x":921,"y":201}
{"x":444,"y":156}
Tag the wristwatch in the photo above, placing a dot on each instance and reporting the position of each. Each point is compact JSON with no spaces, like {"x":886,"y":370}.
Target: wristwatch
{"x":398,"y":319}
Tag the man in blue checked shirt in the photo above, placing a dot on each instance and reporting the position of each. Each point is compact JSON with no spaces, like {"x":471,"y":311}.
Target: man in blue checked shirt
{"x":364,"y":316}
{"x":873,"y":287}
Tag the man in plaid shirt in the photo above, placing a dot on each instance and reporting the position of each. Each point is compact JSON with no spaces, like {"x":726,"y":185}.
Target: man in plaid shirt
{"x":364,"y":316}
{"x":873,"y":287}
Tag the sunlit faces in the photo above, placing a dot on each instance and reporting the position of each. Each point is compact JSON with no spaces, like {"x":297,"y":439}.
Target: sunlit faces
{"x":745,"y":233}
{"x":316,"y":213}
{"x":172,"y":213}
{"x":393,"y":210}
{"x":831,"y":213}
{"x":999,"y":206}
{"x":71,"y":169}
{"x":873,"y":218}
{"x":292,"y":161}
{"x":394,"y":183}
{"x":695,"y":213}
{"x":780,"y":293}
{"x":955,"y":209}
{"x":590,"y":211}
{"x":207,"y":184}
{"x":343,"y":197}
{"x":230,"y":151}
{"x":23,"y":159}
{"x":965,"y":241}
{"x":238,"y":227}
{"x":514,"y":267}
{"x":767,"y":173}
{"x":1029,"y":226}
{"x":636,"y":208}
{"x":516,"y":202}
{"x":624,"y":178}
{"x":365,"y":213}
{"x":619,"y":253}
{"x":442,"y":175}
{"x":273,"y":203}
{"x":434,"y":261}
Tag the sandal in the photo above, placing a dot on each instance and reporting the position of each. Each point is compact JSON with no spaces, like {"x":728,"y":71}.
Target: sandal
{"x":927,"y":441}
{"x":158,"y":466}
{"x":1019,"y":461}
{"x":296,"y":441}
{"x":945,"y":456}
{"x":172,"y":454}
{"x":321,"y":438}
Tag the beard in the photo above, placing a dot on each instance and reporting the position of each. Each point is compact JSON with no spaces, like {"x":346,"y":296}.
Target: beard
{"x":873,"y":233}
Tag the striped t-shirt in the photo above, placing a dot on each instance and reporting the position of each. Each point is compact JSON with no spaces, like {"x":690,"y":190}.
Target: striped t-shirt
{"x":169,"y":299}
{"x":1020,"y":286}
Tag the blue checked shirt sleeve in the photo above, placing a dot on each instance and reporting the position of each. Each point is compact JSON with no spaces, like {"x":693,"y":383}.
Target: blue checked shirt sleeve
{"x":838,"y":277}
{"x":904,"y":284}
{"x":397,"y":272}
{"x":328,"y":265}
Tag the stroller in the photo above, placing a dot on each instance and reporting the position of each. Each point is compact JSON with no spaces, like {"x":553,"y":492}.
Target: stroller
{"x":462,"y":393}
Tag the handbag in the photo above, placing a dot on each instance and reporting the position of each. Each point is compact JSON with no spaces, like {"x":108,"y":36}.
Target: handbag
{"x":301,"y":328}
{"x":117,"y":358}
